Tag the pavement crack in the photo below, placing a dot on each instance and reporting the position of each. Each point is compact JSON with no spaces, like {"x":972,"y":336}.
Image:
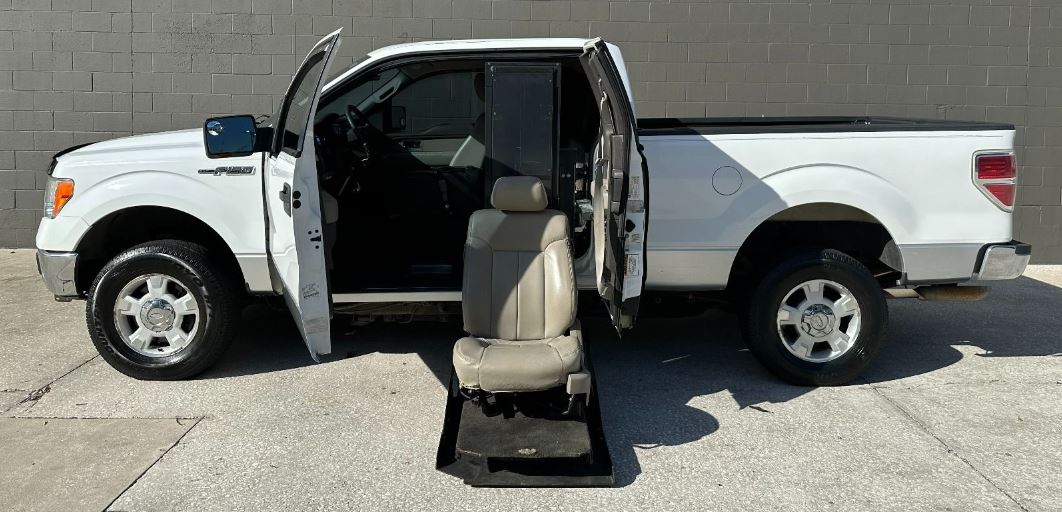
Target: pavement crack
{"x":36,"y":394}
{"x":160,"y":457}
{"x":953,"y":451}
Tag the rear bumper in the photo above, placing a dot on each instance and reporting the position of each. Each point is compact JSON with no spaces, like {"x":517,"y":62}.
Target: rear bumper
{"x":1003,"y":261}
{"x":58,"y":271}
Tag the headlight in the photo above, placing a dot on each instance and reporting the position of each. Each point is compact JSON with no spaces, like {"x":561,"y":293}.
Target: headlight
{"x":56,"y":195}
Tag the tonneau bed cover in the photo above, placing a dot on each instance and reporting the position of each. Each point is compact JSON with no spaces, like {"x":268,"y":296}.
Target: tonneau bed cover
{"x":738,"y":125}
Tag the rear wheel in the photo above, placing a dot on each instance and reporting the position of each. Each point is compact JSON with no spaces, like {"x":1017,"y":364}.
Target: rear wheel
{"x":817,"y":319}
{"x":162,"y":311}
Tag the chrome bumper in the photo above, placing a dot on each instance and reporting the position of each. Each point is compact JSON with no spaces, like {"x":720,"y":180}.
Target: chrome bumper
{"x":57,"y":269}
{"x":1003,"y":261}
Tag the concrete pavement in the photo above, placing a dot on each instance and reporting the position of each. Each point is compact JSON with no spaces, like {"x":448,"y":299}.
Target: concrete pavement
{"x":79,"y":464}
{"x":961,"y":411}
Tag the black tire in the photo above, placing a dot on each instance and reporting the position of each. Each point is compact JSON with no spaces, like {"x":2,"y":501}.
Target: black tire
{"x":214,"y":289}
{"x":759,"y":322}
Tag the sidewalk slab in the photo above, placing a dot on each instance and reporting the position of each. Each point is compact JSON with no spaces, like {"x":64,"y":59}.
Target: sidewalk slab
{"x":40,"y":339}
{"x":1010,"y":434}
{"x":78,"y":464}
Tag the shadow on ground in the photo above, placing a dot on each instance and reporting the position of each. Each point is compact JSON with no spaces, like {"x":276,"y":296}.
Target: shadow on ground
{"x":271,"y":342}
{"x":648,"y":379}
{"x":1018,"y":319}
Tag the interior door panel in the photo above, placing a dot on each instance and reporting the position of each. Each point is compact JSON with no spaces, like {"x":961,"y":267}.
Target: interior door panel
{"x":433,"y":152}
{"x":618,"y":191}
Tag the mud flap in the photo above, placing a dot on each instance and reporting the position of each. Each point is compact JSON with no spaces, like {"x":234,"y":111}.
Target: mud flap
{"x":522,"y":444}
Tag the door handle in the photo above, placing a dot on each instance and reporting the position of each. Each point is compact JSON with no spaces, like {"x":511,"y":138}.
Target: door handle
{"x":411,"y":144}
{"x":285,"y":197}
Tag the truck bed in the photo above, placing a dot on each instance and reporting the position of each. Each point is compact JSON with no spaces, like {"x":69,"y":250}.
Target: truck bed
{"x":739,"y":125}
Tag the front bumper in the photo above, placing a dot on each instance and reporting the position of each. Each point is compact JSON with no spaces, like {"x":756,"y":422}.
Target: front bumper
{"x":58,"y":270}
{"x":1003,"y":261}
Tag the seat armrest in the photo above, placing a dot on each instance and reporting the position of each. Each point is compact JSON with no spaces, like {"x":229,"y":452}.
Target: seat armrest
{"x":578,"y":383}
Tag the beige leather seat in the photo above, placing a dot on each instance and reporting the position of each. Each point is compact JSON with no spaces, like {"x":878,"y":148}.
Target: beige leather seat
{"x":519,"y":295}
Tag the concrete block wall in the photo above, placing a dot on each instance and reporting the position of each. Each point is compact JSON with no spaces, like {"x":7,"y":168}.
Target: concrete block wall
{"x":74,"y":71}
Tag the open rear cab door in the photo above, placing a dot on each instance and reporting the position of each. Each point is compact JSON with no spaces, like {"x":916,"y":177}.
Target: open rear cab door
{"x":296,"y":239}
{"x":619,"y":190}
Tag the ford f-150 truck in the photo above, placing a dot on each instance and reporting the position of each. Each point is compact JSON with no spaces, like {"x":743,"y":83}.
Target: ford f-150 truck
{"x":355,"y":195}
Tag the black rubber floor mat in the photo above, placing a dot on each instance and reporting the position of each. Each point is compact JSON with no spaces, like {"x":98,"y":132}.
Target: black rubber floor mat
{"x":520,"y":436}
{"x":517,"y":450}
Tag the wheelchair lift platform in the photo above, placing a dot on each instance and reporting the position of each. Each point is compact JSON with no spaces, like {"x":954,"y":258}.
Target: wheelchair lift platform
{"x":524,"y":440}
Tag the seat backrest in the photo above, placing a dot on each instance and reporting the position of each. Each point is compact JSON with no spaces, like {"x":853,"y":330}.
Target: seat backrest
{"x":519,"y":283}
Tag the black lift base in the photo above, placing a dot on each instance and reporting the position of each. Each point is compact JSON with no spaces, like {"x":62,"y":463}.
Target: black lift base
{"x":524,"y":440}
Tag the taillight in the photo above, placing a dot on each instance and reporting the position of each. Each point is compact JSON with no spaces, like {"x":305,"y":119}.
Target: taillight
{"x":56,"y":195}
{"x":994,"y":174}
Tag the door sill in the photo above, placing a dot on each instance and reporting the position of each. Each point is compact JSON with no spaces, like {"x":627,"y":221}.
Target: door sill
{"x":425,"y":296}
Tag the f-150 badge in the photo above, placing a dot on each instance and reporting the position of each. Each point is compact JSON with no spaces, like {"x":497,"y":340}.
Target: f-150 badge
{"x":232,"y":170}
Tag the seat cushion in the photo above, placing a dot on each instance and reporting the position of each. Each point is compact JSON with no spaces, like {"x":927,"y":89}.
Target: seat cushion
{"x":507,"y":366}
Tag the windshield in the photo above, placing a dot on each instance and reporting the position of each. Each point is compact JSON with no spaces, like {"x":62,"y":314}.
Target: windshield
{"x":359,"y":95}
{"x":269,"y":119}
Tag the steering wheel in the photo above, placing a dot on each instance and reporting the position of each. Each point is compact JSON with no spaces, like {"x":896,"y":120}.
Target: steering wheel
{"x":356,"y":117}
{"x":359,"y":122}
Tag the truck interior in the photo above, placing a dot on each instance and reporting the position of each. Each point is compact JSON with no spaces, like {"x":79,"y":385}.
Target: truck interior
{"x":408,"y":152}
{"x":469,"y":174}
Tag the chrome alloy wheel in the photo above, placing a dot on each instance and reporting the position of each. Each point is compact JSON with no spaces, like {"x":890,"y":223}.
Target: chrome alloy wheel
{"x":156,"y":315}
{"x":819,"y":320}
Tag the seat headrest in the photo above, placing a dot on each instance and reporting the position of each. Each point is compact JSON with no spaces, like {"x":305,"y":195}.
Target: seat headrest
{"x":519,"y":194}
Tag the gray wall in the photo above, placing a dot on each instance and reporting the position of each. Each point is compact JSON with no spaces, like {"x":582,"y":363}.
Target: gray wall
{"x":74,"y":71}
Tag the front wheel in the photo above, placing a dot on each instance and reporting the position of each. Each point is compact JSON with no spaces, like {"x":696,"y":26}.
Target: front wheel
{"x":817,"y":319}
{"x":162,"y":311}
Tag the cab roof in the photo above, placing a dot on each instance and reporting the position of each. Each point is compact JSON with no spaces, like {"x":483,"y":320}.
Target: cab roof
{"x":540,"y":43}
{"x":478,"y":44}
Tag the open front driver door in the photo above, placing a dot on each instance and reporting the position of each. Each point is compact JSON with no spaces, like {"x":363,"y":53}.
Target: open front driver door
{"x":296,"y":239}
{"x":619,"y":190}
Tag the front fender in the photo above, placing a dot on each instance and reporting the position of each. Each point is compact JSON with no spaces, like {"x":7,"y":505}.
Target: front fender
{"x":235,"y":214}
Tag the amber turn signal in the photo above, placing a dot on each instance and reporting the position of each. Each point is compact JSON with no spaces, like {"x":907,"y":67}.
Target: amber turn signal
{"x":57,"y":195}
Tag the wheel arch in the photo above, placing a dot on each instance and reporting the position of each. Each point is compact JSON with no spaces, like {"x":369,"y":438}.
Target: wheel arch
{"x":819,"y":225}
{"x":125,"y":228}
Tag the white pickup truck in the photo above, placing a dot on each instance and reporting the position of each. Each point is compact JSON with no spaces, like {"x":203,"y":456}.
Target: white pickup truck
{"x":355,"y":197}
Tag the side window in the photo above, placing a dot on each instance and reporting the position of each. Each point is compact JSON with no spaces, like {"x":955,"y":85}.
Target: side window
{"x":440,"y":104}
{"x":296,"y":113}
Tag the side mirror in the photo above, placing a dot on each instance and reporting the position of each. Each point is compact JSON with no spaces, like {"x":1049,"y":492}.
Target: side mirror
{"x":229,"y":136}
{"x":397,"y":122}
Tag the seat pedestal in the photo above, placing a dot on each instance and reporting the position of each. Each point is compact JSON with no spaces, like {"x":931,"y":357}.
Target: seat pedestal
{"x":524,"y":440}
